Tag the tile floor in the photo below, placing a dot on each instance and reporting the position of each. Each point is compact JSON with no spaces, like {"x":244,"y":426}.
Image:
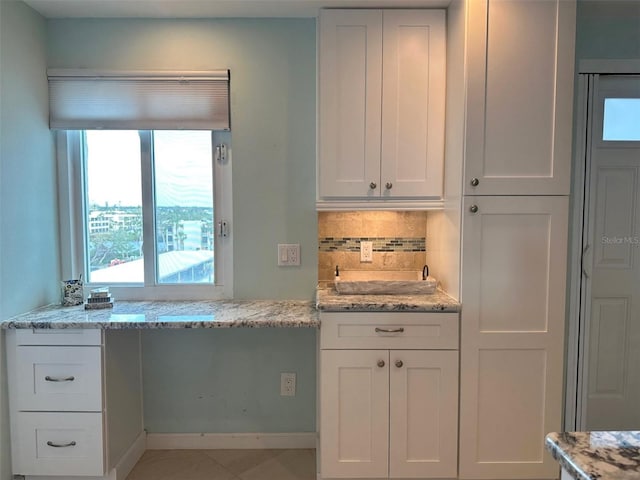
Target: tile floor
{"x":298,"y":464}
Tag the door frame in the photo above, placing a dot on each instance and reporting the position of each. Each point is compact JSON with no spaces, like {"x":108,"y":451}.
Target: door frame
{"x":587,"y":81}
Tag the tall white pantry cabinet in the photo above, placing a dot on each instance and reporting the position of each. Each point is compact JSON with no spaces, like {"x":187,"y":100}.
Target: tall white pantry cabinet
{"x":520,"y":57}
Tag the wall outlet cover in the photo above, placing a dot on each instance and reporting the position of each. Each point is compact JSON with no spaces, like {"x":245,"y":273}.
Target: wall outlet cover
{"x":288,"y":384}
{"x":288,"y":254}
{"x":366,"y":252}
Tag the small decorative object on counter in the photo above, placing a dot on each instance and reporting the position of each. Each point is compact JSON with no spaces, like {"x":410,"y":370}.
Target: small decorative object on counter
{"x":72,"y":292}
{"x":99,"y":298}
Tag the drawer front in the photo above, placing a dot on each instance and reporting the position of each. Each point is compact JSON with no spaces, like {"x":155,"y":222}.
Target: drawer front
{"x":58,"y":444}
{"x":402,"y":330}
{"x":58,"y":336}
{"x":58,"y":378}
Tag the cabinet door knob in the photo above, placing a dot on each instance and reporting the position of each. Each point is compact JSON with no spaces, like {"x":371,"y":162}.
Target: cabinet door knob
{"x":474,"y":182}
{"x":389,"y":185}
{"x":373,"y":185}
{"x":381,"y":363}
{"x":473,"y":209}
{"x":399,"y":363}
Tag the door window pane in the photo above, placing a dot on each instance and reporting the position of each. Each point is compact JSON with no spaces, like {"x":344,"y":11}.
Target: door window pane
{"x":184,"y":206}
{"x":621,"y":119}
{"x":113,"y":207}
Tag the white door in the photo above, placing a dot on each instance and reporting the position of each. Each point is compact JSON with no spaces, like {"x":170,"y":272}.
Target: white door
{"x":423,"y":411}
{"x":413,"y":103}
{"x":512,"y":334}
{"x":350,"y":92}
{"x":354,"y":424}
{"x":611,"y":379}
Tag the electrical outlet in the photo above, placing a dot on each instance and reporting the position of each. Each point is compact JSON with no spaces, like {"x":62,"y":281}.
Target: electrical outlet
{"x":366,"y":252}
{"x":288,"y":254}
{"x":288,"y":384}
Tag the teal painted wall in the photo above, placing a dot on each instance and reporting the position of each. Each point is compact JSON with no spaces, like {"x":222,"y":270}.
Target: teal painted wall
{"x":228,"y":380}
{"x":608,"y":29}
{"x":29,"y":270}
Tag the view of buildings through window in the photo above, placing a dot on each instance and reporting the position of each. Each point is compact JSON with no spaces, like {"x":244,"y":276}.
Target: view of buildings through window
{"x":182,"y":182}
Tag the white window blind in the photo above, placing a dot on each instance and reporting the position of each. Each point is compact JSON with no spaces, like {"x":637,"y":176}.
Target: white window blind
{"x":84,"y":100}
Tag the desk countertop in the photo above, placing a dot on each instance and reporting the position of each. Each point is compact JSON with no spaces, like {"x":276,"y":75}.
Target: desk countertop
{"x":611,"y":455}
{"x":183,"y":314}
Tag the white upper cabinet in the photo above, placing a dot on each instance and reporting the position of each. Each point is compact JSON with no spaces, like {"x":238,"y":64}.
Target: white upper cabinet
{"x":381,"y":104}
{"x":520,"y":97}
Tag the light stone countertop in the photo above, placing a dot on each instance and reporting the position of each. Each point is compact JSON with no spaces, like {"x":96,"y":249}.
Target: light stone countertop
{"x":226,"y":313}
{"x":179,"y":314}
{"x":613,"y":455}
{"x":329,"y":300}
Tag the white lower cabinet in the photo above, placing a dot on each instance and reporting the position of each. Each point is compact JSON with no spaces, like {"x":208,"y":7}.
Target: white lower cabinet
{"x":388,"y":413}
{"x":69,"y":416}
{"x":512,"y":336}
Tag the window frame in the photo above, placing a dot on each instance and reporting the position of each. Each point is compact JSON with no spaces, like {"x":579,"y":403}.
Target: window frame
{"x":73,"y":231}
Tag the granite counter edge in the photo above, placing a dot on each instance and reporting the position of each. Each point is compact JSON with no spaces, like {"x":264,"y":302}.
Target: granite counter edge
{"x":563,"y":459}
{"x":152,"y":325}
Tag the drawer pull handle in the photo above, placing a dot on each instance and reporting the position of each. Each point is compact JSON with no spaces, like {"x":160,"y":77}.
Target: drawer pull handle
{"x":61,"y":445}
{"x":57,"y":379}
{"x":399,"y":363}
{"x":389,"y":330}
{"x":381,"y":363}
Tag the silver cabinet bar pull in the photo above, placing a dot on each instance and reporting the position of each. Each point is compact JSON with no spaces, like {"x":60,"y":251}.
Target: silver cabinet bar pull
{"x":389,"y":330}
{"x":61,"y":445}
{"x":57,"y":379}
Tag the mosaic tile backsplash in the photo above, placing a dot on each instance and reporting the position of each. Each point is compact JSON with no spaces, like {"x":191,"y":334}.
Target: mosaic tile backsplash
{"x":394,"y":244}
{"x":399,"y":241}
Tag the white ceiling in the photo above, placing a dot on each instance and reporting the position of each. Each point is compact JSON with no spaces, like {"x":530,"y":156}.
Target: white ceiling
{"x":209,"y":8}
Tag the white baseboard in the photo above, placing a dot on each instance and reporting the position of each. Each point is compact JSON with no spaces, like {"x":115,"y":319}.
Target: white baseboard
{"x":130,"y":458}
{"x":216,"y":441}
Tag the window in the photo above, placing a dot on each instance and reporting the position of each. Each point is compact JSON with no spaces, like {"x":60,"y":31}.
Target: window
{"x":621,"y":119}
{"x":148,"y":207}
{"x":145,"y":176}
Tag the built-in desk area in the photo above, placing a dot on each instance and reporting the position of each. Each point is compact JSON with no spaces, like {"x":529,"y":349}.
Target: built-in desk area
{"x":75,"y":378}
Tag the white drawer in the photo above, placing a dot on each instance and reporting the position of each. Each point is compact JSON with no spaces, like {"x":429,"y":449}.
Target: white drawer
{"x":398,"y":330}
{"x":58,"y":336}
{"x":58,"y":444}
{"x":58,"y":378}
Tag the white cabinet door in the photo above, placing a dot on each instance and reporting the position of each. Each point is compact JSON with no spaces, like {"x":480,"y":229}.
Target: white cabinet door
{"x":354,"y":422}
{"x":512,"y":335}
{"x":423,"y":439}
{"x":520,"y":97}
{"x":349,"y":89}
{"x":413,"y":103}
